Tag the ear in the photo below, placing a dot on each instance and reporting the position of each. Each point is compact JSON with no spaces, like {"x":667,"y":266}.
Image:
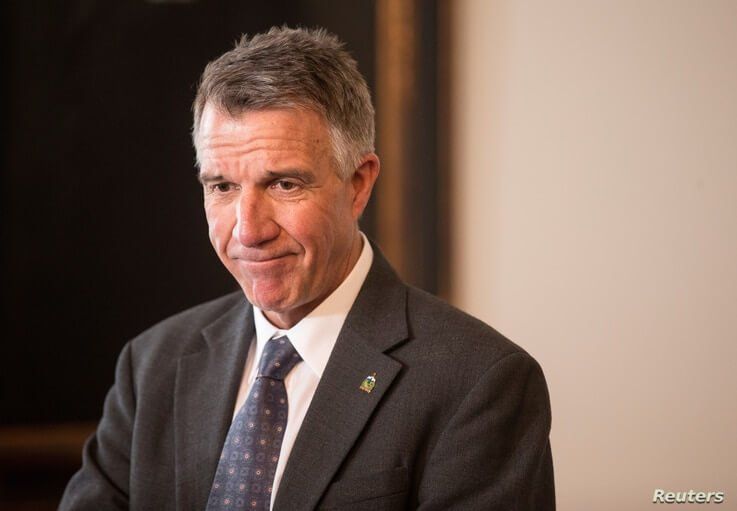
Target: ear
{"x":362,"y":182}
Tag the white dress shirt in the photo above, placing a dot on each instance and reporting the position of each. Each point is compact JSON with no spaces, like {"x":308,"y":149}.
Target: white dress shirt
{"x":313,"y":338}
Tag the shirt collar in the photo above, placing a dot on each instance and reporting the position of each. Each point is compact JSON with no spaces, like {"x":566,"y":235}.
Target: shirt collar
{"x":315,"y":335}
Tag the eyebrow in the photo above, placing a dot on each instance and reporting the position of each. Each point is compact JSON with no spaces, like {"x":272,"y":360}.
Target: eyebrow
{"x":205,"y":178}
{"x":303,"y":175}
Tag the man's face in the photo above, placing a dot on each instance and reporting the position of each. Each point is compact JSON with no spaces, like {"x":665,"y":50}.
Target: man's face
{"x":280,"y":218}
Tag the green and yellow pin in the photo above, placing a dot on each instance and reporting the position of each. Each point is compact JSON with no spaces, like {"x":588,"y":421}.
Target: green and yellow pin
{"x":368,"y":384}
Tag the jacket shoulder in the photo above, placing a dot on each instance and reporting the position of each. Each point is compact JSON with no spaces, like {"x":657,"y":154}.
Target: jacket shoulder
{"x":442,"y":326}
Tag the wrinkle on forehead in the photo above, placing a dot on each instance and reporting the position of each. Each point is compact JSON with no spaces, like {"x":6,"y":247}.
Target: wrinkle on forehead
{"x":267,"y":135}
{"x":298,"y":127}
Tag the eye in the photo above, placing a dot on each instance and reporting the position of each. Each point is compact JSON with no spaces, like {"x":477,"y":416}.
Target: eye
{"x":285,"y":186}
{"x":221,"y":187}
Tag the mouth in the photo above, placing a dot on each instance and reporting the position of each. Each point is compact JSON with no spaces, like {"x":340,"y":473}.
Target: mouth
{"x":260,"y":260}
{"x":259,"y":268}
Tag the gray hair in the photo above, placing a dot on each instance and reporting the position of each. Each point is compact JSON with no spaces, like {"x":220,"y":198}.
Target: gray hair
{"x":294,"y":68}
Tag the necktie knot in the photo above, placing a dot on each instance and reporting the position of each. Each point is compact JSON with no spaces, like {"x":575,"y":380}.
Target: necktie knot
{"x":278,"y":358}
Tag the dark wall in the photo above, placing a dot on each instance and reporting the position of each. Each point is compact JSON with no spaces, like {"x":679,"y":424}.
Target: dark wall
{"x":101,"y":222}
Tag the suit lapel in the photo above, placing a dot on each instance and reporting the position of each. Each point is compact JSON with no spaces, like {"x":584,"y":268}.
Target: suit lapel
{"x":340,"y":409}
{"x":203,"y":402}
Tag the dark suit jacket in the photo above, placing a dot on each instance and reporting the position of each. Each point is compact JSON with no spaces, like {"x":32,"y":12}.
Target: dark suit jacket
{"x":459,"y":417}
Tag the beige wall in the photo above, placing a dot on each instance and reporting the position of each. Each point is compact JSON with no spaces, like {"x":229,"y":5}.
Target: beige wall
{"x":595,"y":224}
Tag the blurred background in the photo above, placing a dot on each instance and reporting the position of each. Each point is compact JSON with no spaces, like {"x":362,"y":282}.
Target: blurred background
{"x":566,"y":171}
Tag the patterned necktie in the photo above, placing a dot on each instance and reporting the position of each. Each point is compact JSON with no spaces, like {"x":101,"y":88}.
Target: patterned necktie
{"x":245,"y":473}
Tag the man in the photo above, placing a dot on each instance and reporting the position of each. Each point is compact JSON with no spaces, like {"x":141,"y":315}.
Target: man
{"x":330,"y":384}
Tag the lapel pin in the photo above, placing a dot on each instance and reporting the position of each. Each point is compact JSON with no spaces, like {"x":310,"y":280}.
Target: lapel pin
{"x":368,"y":384}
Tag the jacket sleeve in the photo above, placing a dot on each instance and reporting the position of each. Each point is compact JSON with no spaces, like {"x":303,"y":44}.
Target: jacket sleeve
{"x":494,"y":453}
{"x":103,"y":481}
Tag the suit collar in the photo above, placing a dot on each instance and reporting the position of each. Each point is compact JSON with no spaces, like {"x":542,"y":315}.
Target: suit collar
{"x":233,"y":325}
{"x":379,"y":315}
{"x":203,"y":402}
{"x":340,"y":409}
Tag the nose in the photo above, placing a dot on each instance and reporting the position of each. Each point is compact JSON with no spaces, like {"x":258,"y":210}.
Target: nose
{"x":255,"y":223}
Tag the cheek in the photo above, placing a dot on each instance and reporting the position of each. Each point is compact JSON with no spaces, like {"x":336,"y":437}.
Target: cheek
{"x":327,"y":227}
{"x":219,"y":228}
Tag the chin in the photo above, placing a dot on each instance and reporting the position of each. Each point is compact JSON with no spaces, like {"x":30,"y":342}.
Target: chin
{"x":267,"y":300}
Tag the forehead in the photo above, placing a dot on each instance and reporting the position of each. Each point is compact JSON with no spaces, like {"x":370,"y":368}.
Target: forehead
{"x":274,"y":130}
